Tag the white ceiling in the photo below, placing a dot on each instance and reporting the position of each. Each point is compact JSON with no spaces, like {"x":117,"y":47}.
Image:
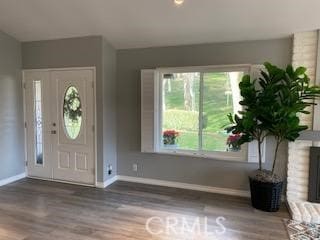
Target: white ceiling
{"x":147,"y":23}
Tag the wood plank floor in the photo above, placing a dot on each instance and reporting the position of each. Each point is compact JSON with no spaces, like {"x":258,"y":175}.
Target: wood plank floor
{"x":41,"y":210}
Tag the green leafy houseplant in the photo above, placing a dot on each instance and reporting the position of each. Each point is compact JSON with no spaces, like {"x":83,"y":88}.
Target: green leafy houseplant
{"x":271,"y":107}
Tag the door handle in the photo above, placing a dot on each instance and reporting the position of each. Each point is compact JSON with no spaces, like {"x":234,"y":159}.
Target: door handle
{"x":53,"y":132}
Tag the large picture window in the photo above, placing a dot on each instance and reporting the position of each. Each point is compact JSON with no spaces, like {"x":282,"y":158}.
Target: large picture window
{"x":194,"y":104}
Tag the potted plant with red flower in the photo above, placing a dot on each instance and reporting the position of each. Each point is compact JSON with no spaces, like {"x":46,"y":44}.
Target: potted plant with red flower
{"x":233,"y":142}
{"x":170,"y":138}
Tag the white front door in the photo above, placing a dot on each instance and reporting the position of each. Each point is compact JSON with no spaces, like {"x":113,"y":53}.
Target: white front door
{"x":72,"y":115}
{"x":60,"y":124}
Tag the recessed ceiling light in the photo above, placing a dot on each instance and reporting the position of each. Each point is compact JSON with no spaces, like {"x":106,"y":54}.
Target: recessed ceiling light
{"x":178,"y":2}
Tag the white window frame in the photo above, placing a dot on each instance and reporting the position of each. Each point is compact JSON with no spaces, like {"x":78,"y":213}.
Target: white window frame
{"x":242,"y":155}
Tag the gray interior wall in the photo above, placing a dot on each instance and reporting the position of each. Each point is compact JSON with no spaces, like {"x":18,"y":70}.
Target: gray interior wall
{"x":122,"y":132}
{"x":11,"y":108}
{"x":71,"y":52}
{"x":201,"y":171}
{"x":109,"y":110}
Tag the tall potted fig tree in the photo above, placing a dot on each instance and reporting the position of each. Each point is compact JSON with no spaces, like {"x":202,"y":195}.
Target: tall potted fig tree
{"x":271,"y":107}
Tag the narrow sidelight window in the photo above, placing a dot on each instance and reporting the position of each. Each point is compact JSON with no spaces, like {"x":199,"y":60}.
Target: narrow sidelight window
{"x":38,"y":122}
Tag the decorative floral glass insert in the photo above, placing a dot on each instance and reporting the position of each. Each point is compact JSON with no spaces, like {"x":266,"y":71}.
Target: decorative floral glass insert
{"x":72,"y":112}
{"x":38,"y":122}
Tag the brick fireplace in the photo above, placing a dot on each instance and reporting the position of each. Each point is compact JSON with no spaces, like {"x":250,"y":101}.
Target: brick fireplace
{"x":303,"y":190}
{"x":306,"y":52}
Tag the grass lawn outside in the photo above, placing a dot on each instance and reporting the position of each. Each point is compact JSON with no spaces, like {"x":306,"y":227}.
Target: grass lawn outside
{"x":189,"y":141}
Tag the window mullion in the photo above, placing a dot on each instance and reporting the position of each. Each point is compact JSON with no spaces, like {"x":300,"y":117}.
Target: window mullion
{"x":200,"y":112}
{"x":158,"y":110}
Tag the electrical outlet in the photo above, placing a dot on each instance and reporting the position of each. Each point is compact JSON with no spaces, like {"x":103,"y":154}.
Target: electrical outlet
{"x":135,"y":167}
{"x":109,"y":169}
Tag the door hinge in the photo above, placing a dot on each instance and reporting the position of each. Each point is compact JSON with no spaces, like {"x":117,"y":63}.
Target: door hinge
{"x":26,"y":164}
{"x":25,"y":124}
{"x":24,"y":85}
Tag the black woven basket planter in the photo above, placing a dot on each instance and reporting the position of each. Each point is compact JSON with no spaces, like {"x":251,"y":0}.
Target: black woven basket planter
{"x":265,"y":196}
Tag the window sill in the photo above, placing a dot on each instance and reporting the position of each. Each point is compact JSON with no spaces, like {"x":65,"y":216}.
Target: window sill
{"x":221,"y":156}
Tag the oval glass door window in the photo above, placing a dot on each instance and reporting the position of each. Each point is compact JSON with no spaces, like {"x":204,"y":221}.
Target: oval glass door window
{"x":72,"y":112}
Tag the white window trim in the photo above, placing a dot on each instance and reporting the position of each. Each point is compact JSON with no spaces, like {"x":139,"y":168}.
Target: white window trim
{"x":241,"y":156}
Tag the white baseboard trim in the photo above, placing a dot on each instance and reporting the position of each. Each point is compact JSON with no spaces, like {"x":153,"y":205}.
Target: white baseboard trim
{"x":12,"y":179}
{"x":107,"y":182}
{"x":202,"y":188}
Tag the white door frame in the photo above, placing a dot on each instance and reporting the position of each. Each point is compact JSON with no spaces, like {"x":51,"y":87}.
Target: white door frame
{"x":95,"y":118}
